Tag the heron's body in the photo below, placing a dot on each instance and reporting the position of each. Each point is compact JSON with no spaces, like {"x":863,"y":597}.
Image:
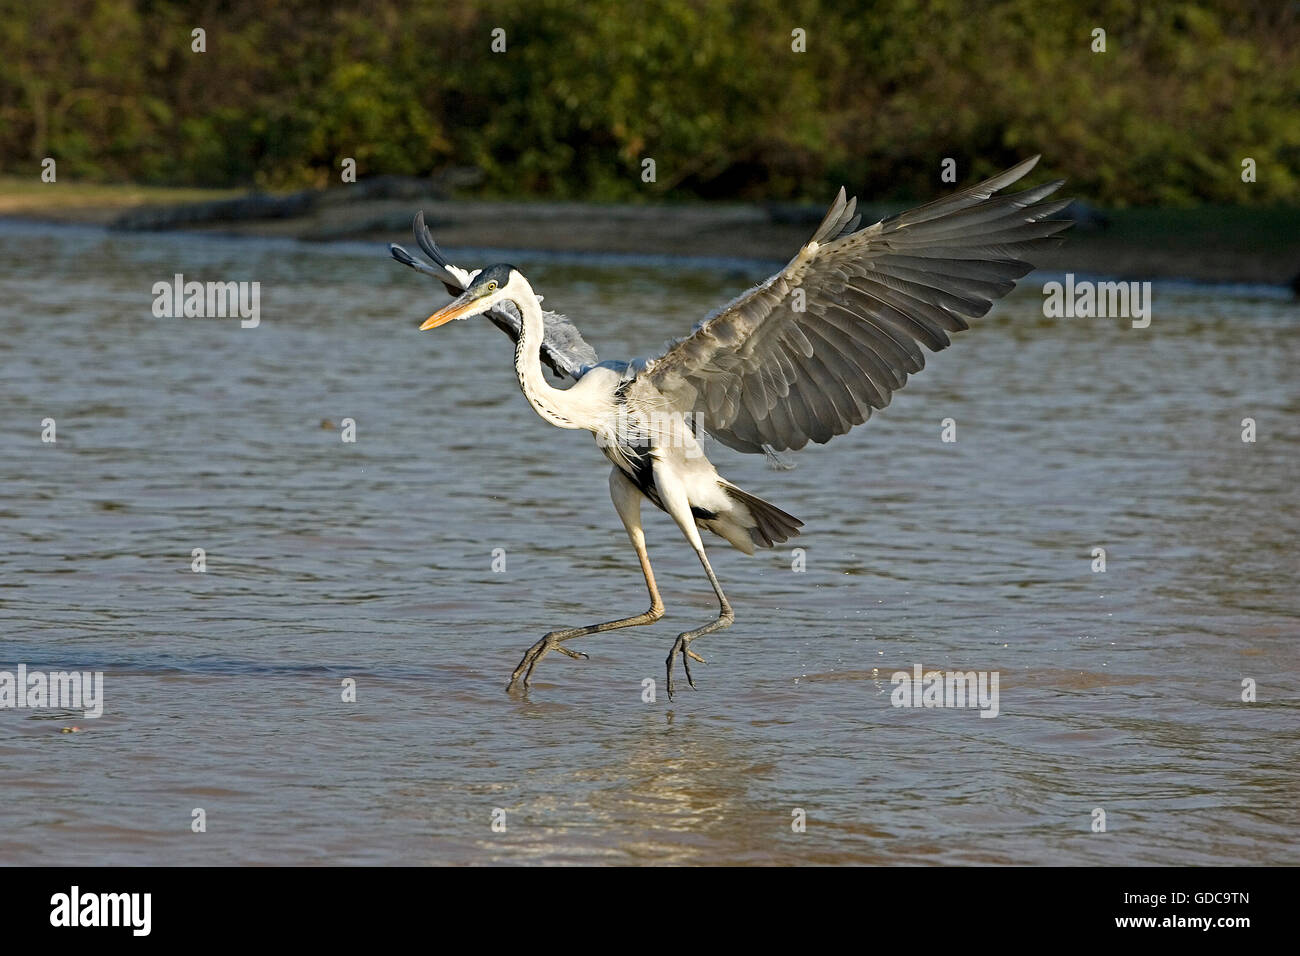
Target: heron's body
{"x":650,"y":448}
{"x":802,"y":357}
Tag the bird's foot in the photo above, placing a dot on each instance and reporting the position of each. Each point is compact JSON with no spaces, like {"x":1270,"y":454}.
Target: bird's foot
{"x":682,"y":646}
{"x":551,"y":642}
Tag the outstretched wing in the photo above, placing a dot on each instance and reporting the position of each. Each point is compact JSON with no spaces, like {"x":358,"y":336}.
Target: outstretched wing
{"x":812,"y":351}
{"x":563,"y":347}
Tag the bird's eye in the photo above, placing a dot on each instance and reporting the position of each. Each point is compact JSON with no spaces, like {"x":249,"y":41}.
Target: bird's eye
{"x":492,"y":286}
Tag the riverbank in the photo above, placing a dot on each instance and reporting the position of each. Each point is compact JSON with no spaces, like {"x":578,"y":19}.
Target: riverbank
{"x":1211,"y":244}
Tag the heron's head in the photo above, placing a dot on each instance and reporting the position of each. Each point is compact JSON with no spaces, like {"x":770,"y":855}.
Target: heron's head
{"x":489,"y":287}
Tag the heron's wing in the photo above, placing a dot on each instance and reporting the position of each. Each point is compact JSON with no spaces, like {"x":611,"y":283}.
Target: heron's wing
{"x":563,"y":348}
{"x":812,"y":351}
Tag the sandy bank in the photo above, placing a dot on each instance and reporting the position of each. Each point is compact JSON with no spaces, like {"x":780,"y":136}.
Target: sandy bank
{"x":1223,"y":244}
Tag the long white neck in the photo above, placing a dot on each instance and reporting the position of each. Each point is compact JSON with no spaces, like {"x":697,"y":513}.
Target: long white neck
{"x":555,"y":405}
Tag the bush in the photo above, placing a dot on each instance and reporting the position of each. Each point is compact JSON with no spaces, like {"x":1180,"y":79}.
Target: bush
{"x":710,"y":90}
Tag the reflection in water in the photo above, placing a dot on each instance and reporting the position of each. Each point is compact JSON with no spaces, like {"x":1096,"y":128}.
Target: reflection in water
{"x":373,"y":561}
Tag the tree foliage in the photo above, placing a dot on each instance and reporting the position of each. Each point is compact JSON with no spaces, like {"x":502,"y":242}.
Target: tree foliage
{"x":711,"y":90}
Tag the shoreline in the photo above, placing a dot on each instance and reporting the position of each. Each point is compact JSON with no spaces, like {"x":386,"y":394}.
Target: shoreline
{"x":1202,"y":244}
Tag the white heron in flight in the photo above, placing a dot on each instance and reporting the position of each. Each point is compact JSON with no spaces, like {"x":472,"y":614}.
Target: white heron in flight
{"x":802,"y":357}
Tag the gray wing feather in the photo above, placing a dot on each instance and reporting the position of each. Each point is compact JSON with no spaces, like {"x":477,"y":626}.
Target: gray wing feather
{"x":763,"y":374}
{"x":563,"y":348}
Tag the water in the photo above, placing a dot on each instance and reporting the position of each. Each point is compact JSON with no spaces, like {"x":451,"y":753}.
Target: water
{"x":373,"y":561}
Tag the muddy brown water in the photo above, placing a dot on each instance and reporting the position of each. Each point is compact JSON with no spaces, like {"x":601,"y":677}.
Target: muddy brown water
{"x":373,"y":561}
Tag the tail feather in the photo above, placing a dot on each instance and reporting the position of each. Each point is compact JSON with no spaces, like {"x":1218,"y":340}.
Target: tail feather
{"x":771,"y":524}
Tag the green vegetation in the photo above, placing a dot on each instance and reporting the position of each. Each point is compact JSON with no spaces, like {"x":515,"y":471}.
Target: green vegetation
{"x":710,"y":90}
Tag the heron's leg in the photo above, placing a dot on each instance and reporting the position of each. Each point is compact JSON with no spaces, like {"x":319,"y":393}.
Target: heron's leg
{"x":627,"y":501}
{"x":677,"y":504}
{"x":726,"y":617}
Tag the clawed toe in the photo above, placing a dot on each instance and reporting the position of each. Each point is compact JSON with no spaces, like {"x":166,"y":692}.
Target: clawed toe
{"x":551,"y":642}
{"x":682,"y":646}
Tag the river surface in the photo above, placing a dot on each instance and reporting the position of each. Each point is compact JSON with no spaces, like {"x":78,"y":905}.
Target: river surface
{"x":373,"y":561}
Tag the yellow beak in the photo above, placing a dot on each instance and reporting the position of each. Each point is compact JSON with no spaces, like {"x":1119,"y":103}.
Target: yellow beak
{"x":442,"y":317}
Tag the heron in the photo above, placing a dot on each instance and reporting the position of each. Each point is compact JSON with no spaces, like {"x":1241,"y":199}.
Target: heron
{"x":803,"y":356}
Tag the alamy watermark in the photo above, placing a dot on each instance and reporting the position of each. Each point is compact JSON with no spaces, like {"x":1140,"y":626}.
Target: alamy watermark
{"x":635,"y":429}
{"x":208,"y":300}
{"x":954,"y":689}
{"x":66,"y":690}
{"x":129,"y":910}
{"x":1098,"y":300}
